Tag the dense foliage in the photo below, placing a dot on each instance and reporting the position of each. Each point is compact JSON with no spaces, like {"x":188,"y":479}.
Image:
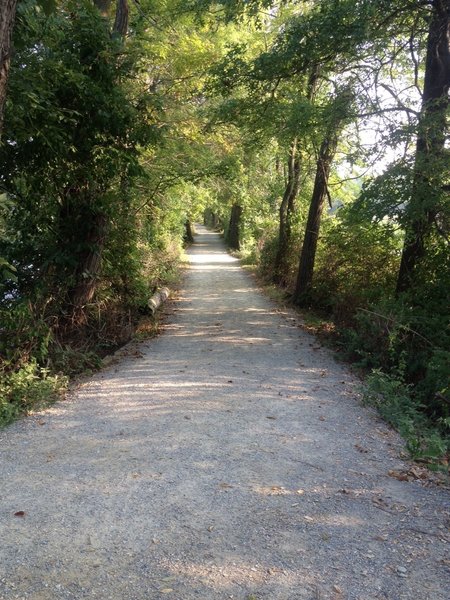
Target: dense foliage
{"x":314,"y":133}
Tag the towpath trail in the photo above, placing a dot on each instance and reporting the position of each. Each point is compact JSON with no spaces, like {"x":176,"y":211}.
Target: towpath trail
{"x":228,"y":458}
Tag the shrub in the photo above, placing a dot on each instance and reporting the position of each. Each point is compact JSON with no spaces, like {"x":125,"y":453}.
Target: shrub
{"x":29,"y":388}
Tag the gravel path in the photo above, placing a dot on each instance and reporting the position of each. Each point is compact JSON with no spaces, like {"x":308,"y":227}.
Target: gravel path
{"x":228,"y":458}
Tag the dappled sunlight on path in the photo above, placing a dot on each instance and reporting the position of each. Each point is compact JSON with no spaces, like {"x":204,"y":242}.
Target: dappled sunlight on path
{"x":228,"y":458}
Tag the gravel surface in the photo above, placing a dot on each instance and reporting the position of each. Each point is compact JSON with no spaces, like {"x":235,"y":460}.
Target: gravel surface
{"x":228,"y":458}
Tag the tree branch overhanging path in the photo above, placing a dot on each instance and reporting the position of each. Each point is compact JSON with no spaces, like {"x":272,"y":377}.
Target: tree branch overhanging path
{"x":228,"y":458}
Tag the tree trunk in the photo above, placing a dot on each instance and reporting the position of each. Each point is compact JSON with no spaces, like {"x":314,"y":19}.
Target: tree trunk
{"x":215,"y":221}
{"x":89,"y":263}
{"x":286,"y":212}
{"x":233,"y":229}
{"x":287,"y":207}
{"x":7,"y":16}
{"x":188,"y":232}
{"x":89,"y":259}
{"x":121,"y":21}
{"x":308,"y":253}
{"x":430,"y":145}
{"x":120,"y":26}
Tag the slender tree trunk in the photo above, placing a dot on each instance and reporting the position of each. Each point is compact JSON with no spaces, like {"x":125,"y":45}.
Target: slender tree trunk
{"x":430,"y":145}
{"x":233,"y":236}
{"x":120,"y":26}
{"x":286,"y":212}
{"x":287,"y":207}
{"x":308,"y":253}
{"x":215,"y":220}
{"x":188,"y":232}
{"x":7,"y":16}
{"x":121,"y":21}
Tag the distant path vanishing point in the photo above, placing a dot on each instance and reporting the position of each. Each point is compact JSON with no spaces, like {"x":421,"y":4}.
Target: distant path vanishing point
{"x":228,"y":458}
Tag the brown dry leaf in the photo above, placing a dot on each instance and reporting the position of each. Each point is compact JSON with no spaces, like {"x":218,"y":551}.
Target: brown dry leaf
{"x":225,"y":486}
{"x":361,"y":449}
{"x":418,"y":473}
{"x":399,"y":475}
{"x":270,"y":417}
{"x":41,"y":423}
{"x":20,"y":513}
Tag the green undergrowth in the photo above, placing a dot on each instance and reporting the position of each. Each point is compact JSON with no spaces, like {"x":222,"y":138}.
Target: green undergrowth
{"x":28,"y":388}
{"x":397,"y":402}
{"x":41,"y":351}
{"x":34,"y":378}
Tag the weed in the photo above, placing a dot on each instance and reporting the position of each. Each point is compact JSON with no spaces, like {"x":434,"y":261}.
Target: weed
{"x":399,"y":406}
{"x":29,"y":388}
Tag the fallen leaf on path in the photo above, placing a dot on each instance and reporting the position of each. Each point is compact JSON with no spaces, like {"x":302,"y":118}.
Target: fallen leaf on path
{"x":321,"y":418}
{"x":361,"y":449}
{"x":225,"y":486}
{"x":270,"y":417}
{"x":20,"y":513}
{"x":399,"y":475}
{"x":418,"y":473}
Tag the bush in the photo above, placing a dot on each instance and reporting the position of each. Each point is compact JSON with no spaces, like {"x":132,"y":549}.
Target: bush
{"x":29,"y":388}
{"x":399,"y":405}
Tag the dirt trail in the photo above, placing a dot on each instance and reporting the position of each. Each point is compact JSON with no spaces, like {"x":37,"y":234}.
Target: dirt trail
{"x":230,"y":460}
